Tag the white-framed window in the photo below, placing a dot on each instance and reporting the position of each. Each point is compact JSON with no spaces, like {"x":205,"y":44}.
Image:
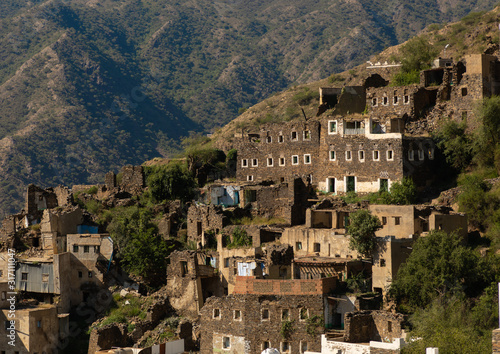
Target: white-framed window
{"x":281,"y":138}
{"x":411,"y":155}
{"x":307,"y":159}
{"x":226,"y":343}
{"x":294,"y":136}
{"x":385,"y":101}
{"x":332,"y":127}
{"x":266,"y":345}
{"x":376,"y":155}
{"x":285,"y":314}
{"x":270,"y":162}
{"x":332,"y":155}
{"x":244,"y":163}
{"x":216,"y":314}
{"x":361,"y":155}
{"x":285,"y":347}
{"x":237,"y":315}
{"x":282,"y":161}
{"x":269,"y":139}
{"x":306,"y":135}
{"x":249,"y":178}
{"x":374,"y":102}
{"x":348,"y":155}
{"x":295,"y":159}
{"x":390,"y":155}
{"x":303,"y":314}
{"x":255,"y":162}
{"x":406,"y":99}
{"x":395,"y":100}
{"x":421,"y":154}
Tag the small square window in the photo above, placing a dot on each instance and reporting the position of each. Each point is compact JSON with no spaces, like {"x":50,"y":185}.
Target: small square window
{"x":269,"y":139}
{"x":216,"y":314}
{"x":75,"y":248}
{"x":281,"y":139}
{"x":285,"y":347}
{"x":285,"y":314}
{"x":226,"y":343}
{"x":39,"y":324}
{"x":24,"y":276}
{"x":395,"y":100}
{"x":266,"y":345}
{"x":361,"y":155}
{"x":376,"y":155}
{"x":307,"y":135}
{"x":374,"y":102}
{"x":90,"y":275}
{"x":382,"y":262}
{"x":80,"y":274}
{"x":294,"y":136}
{"x":384,"y":220}
{"x":269,"y":162}
{"x":86,"y":249}
{"x":237,"y":315}
{"x":45,"y":278}
{"x":244,"y":163}
{"x":390,"y":155}
{"x":397,"y":220}
{"x":264,"y":315}
{"x":430,"y":153}
{"x":421,"y":155}
{"x":317,"y":247}
{"x":385,"y":101}
{"x":332,"y":155}
{"x":295,"y":159}
{"x":348,"y":155}
{"x":97,"y":249}
{"x":332,"y":127}
{"x":464,"y":91}
{"x":406,"y":99}
{"x":282,"y":161}
{"x":307,"y":159}
{"x":249,"y":178}
{"x":389,"y":326}
{"x":226,"y":262}
{"x":411,"y":155}
{"x":298,"y":245}
{"x":255,"y":162}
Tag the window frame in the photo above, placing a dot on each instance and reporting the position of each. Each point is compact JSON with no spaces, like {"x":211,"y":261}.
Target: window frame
{"x":330,"y":155}
{"x":378,"y":155}
{"x":307,"y":159}
{"x":330,"y":132}
{"x":270,"y":159}
{"x":295,"y":157}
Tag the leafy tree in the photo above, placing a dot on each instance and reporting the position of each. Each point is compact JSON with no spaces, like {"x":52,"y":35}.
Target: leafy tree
{"x":362,"y":227}
{"x":169,"y":182}
{"x":455,"y":144}
{"x":488,"y":134}
{"x":403,"y":192}
{"x":141,"y":250}
{"x":475,"y":200}
{"x":417,"y":54}
{"x":440,"y":264}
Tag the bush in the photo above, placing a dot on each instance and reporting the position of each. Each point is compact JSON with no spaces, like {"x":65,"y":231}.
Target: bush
{"x":403,"y":192}
{"x":169,"y":182}
{"x":455,"y":144}
{"x":240,"y":238}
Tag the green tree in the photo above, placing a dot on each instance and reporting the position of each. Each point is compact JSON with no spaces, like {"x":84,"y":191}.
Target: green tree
{"x":362,"y":227}
{"x":417,"y":54}
{"x":169,"y":182}
{"x":488,"y":134}
{"x":440,"y":264}
{"x":403,"y":192}
{"x":475,"y":200}
{"x":141,"y":250}
{"x":455,"y":144}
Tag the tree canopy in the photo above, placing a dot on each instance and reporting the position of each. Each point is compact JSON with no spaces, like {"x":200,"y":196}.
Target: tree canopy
{"x":362,"y":227}
{"x":169,"y":182}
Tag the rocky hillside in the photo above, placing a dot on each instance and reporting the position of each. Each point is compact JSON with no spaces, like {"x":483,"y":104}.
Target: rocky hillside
{"x":87,"y":85}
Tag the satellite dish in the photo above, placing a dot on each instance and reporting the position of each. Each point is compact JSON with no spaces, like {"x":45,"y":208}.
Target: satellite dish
{"x":270,"y":351}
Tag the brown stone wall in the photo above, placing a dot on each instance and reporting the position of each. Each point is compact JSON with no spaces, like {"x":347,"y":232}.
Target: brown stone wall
{"x":201,"y":218}
{"x":495,"y":341}
{"x":250,"y":285}
{"x":133,"y":180}
{"x":394,"y":101}
{"x":364,"y":326}
{"x":250,"y":331}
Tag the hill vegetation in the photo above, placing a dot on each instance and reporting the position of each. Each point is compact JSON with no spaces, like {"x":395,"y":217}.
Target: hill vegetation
{"x":88,"y":86}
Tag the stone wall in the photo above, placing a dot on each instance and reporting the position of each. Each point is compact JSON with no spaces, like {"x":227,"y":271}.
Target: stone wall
{"x":244,"y":323}
{"x":132,"y":180}
{"x":201,"y":218}
{"x":250,"y":285}
{"x":38,"y":199}
{"x":365,"y":326}
{"x":495,"y":341}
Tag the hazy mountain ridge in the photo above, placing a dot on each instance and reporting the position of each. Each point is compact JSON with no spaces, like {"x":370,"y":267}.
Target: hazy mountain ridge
{"x":88,"y":86}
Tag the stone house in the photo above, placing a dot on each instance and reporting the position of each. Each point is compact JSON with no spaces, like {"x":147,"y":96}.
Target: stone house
{"x":263,"y":314}
{"x":37,"y":330}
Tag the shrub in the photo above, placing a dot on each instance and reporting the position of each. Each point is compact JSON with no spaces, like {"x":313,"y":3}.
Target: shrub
{"x":361,"y":228}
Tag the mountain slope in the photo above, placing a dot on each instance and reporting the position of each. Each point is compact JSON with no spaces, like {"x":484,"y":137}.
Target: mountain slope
{"x":90,"y":85}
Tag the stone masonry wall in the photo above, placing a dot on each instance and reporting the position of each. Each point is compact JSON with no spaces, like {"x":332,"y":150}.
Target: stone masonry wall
{"x":250,"y":328}
{"x":364,"y":326}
